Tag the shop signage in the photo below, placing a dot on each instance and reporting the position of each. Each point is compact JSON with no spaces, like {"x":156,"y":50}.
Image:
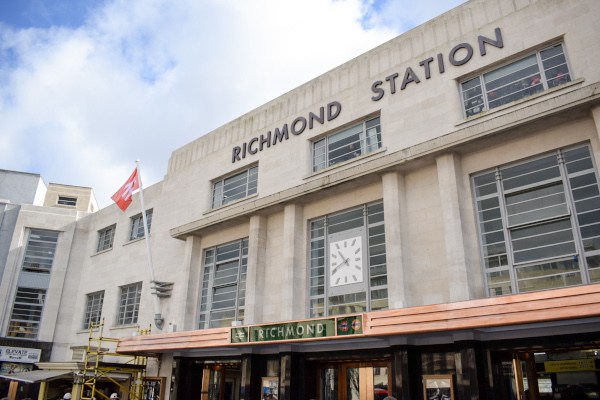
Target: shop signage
{"x":569,"y":365}
{"x":19,"y":354}
{"x":312,"y":329}
{"x":14,"y":368}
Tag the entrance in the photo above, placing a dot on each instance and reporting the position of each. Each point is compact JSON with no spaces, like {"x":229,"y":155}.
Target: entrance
{"x":220,"y":382}
{"x":354,"y":381}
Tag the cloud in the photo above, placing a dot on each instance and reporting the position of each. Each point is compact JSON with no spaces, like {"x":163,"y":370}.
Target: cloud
{"x":141,"y":78}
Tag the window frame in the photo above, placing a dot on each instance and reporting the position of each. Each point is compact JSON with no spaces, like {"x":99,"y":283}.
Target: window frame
{"x":137,"y":224}
{"x":122,"y":318}
{"x":584,"y":259}
{"x":371,"y":244}
{"x":322,"y":160}
{"x":34,"y":321}
{"x":93,"y":305}
{"x":209,"y":287}
{"x":485,"y":106}
{"x":30,"y":255}
{"x":102,"y":238}
{"x":66,"y":200}
{"x":218,"y":197}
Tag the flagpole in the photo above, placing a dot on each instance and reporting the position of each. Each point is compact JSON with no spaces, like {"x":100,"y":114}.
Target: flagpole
{"x":158,"y":321}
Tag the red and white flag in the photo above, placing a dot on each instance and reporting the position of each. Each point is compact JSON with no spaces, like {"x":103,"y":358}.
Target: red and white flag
{"x":123,"y":197}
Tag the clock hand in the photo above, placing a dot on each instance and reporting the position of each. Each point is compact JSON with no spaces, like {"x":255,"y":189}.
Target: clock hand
{"x":346,"y":260}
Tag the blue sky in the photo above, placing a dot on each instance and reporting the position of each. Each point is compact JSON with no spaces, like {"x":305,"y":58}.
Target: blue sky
{"x":87,"y":87}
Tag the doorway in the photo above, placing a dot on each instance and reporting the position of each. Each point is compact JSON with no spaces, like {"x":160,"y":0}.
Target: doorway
{"x":220,"y":382}
{"x":354,"y":381}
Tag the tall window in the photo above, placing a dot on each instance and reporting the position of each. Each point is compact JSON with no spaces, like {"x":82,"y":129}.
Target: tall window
{"x":347,"y":144}
{"x":224,"y":285}
{"x":105,"y":238}
{"x":539,"y":223}
{"x":26,"y":313}
{"x":93,"y":309}
{"x":41,"y":248}
{"x":137,"y":225}
{"x":67,"y":201}
{"x":348,"y":272}
{"x":235,"y":187}
{"x":129,"y":306}
{"x":540,"y":71}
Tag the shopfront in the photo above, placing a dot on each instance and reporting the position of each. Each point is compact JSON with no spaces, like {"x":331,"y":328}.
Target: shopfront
{"x":525,"y":346}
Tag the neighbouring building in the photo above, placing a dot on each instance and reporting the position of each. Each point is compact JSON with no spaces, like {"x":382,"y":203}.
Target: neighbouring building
{"x":421,"y":222}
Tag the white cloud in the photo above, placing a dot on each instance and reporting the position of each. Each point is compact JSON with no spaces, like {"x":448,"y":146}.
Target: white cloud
{"x":142,"y":78}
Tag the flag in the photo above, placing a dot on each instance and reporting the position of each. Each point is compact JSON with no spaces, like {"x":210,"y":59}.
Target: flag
{"x":123,"y":196}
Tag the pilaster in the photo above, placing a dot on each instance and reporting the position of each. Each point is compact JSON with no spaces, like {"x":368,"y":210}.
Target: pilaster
{"x":394,"y":210}
{"x":294,"y":273}
{"x":255,"y":276}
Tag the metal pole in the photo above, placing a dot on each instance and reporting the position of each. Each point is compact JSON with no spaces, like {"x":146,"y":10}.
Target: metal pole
{"x":158,"y":321}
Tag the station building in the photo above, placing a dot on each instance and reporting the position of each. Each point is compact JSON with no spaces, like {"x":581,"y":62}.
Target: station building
{"x":420,"y":222}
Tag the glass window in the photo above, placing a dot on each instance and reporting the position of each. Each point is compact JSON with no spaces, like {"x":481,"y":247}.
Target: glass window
{"x":347,"y":267}
{"x":40,"y":252}
{"x":67,"y":201}
{"x":539,"y":223}
{"x":347,"y":144}
{"x":223,"y":291}
{"x":137,"y":225}
{"x":235,"y":187}
{"x":26,"y":313}
{"x":533,"y":74}
{"x":93,"y":310}
{"x":129,"y":305}
{"x":105,"y":238}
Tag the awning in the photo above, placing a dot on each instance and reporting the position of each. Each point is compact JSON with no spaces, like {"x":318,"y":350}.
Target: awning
{"x":37,"y":376}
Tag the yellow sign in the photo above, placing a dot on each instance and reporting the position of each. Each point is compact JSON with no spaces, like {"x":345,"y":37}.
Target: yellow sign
{"x":569,"y":365}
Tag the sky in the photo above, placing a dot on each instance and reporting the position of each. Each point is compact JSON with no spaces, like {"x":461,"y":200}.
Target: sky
{"x":87,"y":87}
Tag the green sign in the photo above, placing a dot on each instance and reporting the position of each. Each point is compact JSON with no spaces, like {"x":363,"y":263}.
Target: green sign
{"x":343,"y":326}
{"x":293,"y":330}
{"x":239,"y":335}
{"x":350,"y":325}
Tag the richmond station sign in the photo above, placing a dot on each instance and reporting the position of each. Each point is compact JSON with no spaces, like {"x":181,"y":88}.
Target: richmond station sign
{"x":459,"y":55}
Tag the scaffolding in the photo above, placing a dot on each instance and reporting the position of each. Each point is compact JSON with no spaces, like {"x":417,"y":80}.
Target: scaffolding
{"x":94,"y":369}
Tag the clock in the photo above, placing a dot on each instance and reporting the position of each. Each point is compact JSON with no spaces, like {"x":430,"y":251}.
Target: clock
{"x":346,"y":262}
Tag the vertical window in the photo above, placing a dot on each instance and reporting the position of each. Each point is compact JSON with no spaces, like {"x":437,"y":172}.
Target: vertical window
{"x":540,"y":71}
{"x":348,"y":270}
{"x":41,"y":248}
{"x":347,"y":144}
{"x":67,"y":201}
{"x":129,"y":305}
{"x":26,"y":313}
{"x":93,"y":309}
{"x":137,"y":225}
{"x":105,"y":238}
{"x":235,"y":187}
{"x":223,"y":291}
{"x":539,"y":223}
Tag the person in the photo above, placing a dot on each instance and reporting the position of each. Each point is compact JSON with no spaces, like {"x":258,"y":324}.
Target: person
{"x":114,"y":396}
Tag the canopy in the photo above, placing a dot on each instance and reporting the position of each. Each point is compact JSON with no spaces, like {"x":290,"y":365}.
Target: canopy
{"x":37,"y":376}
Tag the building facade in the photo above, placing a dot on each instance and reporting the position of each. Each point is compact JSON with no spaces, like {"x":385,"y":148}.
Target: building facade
{"x":422,"y":222}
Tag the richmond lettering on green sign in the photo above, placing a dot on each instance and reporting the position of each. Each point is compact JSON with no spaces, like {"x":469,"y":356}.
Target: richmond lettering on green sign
{"x":347,"y":325}
{"x":293,"y":330}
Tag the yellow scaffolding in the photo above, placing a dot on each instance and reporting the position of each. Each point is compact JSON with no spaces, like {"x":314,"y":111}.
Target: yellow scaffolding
{"x":95,"y":369}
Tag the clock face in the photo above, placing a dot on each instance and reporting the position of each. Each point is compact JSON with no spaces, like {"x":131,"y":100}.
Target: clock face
{"x":345,"y":262}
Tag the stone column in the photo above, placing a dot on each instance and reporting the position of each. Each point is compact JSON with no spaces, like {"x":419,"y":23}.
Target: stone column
{"x":394,"y":210}
{"x":449,"y":173}
{"x":250,"y":380}
{"x":294,"y":271}
{"x":255,"y":276}
{"x":187,"y":298}
{"x":470,"y":363}
{"x":406,"y":372}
